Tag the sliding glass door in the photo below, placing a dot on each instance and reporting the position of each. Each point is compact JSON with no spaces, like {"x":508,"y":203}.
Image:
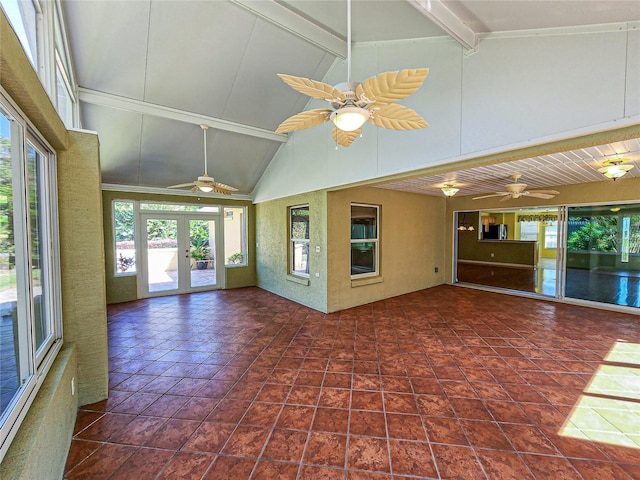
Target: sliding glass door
{"x":603,"y":254}
{"x":587,"y":253}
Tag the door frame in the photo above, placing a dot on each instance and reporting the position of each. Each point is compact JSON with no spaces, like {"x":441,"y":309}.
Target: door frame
{"x":183,"y":257}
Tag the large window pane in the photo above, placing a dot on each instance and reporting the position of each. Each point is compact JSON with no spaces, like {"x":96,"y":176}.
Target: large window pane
{"x":299,"y":240}
{"x":603,"y":254}
{"x":364,"y":240}
{"x":24,"y":20}
{"x":124,"y":230}
{"x":37,"y":212}
{"x":10,"y":378}
{"x":234,"y":236}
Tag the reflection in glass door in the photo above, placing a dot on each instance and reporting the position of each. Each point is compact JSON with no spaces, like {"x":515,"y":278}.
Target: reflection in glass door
{"x":603,"y":254}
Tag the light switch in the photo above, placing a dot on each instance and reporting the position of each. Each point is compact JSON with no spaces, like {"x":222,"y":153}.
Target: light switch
{"x":317,"y":248}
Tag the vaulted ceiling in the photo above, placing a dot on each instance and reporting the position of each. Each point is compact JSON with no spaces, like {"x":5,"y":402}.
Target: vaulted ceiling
{"x":151,"y":71}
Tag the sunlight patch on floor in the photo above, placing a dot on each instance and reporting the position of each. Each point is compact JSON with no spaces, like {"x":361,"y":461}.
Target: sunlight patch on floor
{"x":609,"y":410}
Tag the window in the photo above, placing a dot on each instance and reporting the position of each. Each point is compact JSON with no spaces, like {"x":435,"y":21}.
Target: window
{"x":529,"y":231}
{"x":30,"y":325}
{"x":551,"y":235}
{"x":299,"y":240}
{"x":235,"y":250}
{"x":364,"y":240}
{"x":23,"y":17}
{"x":40,"y":29}
{"x":124,"y":237}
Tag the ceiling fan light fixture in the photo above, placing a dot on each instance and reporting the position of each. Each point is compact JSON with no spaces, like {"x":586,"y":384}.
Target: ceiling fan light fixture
{"x":206,"y":189}
{"x":614,"y":168}
{"x":449,"y":190}
{"x":350,"y":118}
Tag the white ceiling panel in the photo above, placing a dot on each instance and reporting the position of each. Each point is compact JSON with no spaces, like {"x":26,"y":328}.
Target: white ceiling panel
{"x":196,"y":73}
{"x":108,"y":42}
{"x":259,"y":97}
{"x":119,"y":135}
{"x":173,"y":152}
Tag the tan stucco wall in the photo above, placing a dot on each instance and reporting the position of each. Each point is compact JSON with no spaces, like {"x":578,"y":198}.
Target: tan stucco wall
{"x":82,"y":263}
{"x":125,"y":288}
{"x":272,"y":220}
{"x":411,"y":245}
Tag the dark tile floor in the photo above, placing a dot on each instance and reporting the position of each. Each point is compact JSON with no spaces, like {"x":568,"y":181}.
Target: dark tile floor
{"x":444,"y":383}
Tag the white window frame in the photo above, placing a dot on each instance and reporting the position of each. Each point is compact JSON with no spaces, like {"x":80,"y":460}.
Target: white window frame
{"x":293,"y":241}
{"x":375,"y":240}
{"x":243,"y":240}
{"x":34,"y":364}
{"x":52,"y":55}
{"x":134,"y":207}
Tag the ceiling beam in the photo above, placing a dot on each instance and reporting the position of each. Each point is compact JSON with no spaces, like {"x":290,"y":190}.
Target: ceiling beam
{"x":137,"y":106}
{"x":293,"y":23}
{"x":439,"y":14}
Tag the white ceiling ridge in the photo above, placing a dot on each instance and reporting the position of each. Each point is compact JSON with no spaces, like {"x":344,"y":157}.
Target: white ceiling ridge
{"x":145,"y":108}
{"x":573,"y":30}
{"x":448,"y":21}
{"x":114,"y":187}
{"x":295,"y":24}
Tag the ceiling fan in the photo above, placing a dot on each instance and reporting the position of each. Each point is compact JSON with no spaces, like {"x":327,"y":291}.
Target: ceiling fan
{"x":517,"y":190}
{"x":205,"y":183}
{"x":353,"y":103}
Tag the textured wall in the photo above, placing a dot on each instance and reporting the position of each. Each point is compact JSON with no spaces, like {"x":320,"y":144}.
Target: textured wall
{"x":411,"y":245}
{"x":273,"y":249}
{"x":82,"y":262}
{"x":39,"y":450}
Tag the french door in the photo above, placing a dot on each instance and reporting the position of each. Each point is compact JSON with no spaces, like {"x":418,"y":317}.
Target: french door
{"x":181,"y":252}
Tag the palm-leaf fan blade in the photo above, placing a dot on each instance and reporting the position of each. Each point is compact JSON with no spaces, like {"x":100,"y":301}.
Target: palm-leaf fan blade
{"x":505,"y":198}
{"x":313,"y":88}
{"x":345,"y":138}
{"x":547,"y":192}
{"x":389,"y":87}
{"x":396,"y":117}
{"x":302,"y":120}
{"x":540,"y":195}
{"x":180,"y":185}
{"x":492,"y":195}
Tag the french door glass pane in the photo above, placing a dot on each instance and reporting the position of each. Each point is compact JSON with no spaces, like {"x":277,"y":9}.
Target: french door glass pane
{"x":162,"y":254}
{"x":202,"y":249}
{"x":603,"y":254}
{"x":9,"y":332}
{"x":37,"y":211}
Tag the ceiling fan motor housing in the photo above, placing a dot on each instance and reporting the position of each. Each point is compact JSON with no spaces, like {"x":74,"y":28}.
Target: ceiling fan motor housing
{"x":349,"y":90}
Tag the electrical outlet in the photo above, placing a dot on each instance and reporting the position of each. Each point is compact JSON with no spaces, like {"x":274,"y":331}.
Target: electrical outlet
{"x":493,"y":254}
{"x":436,"y":269}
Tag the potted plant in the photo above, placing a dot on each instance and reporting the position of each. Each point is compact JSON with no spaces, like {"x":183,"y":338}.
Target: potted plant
{"x":200,"y":253}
